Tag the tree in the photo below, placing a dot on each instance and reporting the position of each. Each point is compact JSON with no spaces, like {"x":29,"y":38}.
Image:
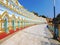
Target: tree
{"x":35,"y":13}
{"x":43,"y":16}
{"x":58,"y":18}
{"x":39,"y":15}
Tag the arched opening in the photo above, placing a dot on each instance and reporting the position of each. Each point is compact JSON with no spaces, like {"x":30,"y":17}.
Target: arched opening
{"x":6,"y":25}
{"x":13,"y":25}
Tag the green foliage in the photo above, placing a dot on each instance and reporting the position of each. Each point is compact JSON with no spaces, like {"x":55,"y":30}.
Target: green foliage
{"x":35,"y":13}
{"x":43,"y":16}
{"x":57,"y":19}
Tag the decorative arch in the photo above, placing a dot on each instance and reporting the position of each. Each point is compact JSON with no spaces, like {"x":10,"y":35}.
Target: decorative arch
{"x":5,"y":22}
{"x":0,"y":25}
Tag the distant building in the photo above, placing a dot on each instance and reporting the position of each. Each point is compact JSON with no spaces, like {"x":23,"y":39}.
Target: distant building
{"x":14,"y":16}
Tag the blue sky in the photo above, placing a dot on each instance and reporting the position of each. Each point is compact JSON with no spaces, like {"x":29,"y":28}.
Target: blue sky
{"x":42,"y":7}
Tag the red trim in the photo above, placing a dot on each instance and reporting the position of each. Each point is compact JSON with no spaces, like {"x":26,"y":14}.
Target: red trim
{"x":3,"y":34}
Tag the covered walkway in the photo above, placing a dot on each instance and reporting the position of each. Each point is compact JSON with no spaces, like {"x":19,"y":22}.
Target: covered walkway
{"x":34,"y":35}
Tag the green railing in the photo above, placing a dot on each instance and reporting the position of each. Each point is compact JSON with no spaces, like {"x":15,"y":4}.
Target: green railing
{"x":54,"y":30}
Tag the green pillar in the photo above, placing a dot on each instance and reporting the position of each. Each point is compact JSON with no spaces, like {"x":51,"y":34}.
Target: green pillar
{"x":13,"y":24}
{"x":18,"y":24}
{"x":23,"y":24}
{"x":6,"y":26}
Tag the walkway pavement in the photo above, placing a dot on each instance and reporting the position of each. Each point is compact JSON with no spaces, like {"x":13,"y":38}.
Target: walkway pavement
{"x":34,"y":35}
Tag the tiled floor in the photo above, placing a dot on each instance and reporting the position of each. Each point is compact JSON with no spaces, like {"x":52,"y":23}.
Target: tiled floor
{"x":35,"y":35}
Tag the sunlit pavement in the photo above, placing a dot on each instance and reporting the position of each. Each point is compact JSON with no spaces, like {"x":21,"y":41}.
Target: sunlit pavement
{"x":34,"y":35}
